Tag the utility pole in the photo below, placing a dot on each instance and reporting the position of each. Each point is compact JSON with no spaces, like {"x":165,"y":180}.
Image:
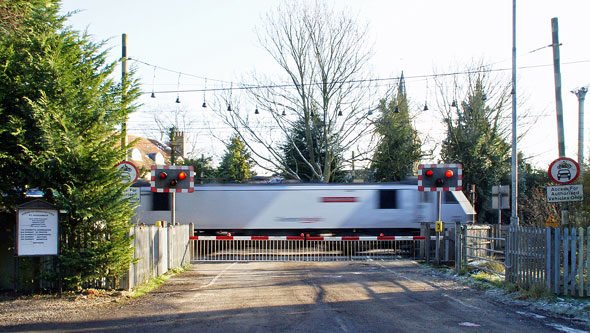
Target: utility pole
{"x":124,"y":92}
{"x":558,"y":104}
{"x":581,"y":94}
{"x":514,"y":167}
{"x":557,"y":75}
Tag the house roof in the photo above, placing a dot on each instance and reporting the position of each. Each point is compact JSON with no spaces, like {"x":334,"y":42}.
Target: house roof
{"x":149,"y":149}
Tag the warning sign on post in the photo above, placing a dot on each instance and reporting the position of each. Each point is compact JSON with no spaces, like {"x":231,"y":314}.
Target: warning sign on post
{"x":565,"y":193}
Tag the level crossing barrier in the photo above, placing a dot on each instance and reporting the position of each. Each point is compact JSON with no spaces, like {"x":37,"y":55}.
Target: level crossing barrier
{"x":304,"y":248}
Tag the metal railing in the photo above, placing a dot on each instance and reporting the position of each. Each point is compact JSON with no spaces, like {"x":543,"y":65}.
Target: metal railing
{"x":295,"y":248}
{"x":483,"y":244}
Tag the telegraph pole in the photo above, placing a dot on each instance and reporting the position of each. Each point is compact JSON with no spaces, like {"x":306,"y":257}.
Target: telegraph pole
{"x":557,"y":75}
{"x":124,"y":92}
{"x":514,"y":171}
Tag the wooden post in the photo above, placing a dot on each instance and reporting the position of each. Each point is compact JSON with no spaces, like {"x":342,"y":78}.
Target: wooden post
{"x":427,"y":243}
{"x":548,"y":272}
{"x":423,"y":227}
{"x":588,"y":261}
{"x":556,"y":260}
{"x":464,"y":259}
{"x":457,"y":246}
{"x":123,"y":78}
{"x":581,"y":262}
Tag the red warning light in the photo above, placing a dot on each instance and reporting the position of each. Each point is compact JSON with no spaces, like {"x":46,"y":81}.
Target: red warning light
{"x":163,"y":175}
{"x":429,"y":173}
{"x":182,"y":175}
{"x":449,"y":173}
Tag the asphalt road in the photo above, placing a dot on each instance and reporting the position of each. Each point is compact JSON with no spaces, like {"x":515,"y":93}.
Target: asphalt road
{"x":368,"y":296}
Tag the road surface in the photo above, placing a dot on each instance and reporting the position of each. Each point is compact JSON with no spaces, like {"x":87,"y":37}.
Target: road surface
{"x":372,"y":296}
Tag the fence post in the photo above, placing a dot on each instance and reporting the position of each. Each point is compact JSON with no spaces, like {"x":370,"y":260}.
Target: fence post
{"x":581,"y":262}
{"x":446,"y":241}
{"x":427,"y":242}
{"x":588,"y":261}
{"x":464,"y":259}
{"x":566,"y":259}
{"x":423,"y":226}
{"x":556,"y":260}
{"x":457,"y":246}
{"x":191,"y":233}
{"x":548,"y":272}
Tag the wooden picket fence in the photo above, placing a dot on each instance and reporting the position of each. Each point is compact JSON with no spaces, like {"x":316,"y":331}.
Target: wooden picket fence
{"x":558,"y":259}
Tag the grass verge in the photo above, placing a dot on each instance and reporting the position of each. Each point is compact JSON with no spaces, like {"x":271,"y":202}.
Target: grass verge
{"x":156,"y":282}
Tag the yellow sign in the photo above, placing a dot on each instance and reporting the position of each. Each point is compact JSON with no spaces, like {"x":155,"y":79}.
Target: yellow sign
{"x":552,"y":222}
{"x":439,"y":226}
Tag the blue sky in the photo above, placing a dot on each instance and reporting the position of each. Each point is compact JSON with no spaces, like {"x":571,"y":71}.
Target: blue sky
{"x":217,"y":40}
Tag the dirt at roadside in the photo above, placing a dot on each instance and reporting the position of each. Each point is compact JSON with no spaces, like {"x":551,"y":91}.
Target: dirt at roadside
{"x":42,"y":308}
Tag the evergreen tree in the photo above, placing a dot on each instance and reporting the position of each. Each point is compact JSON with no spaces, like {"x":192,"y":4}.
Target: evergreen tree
{"x":62,"y":112}
{"x":298,"y":153}
{"x":204,"y":170}
{"x":399,"y":150}
{"x":236,"y":165}
{"x":474,"y":140}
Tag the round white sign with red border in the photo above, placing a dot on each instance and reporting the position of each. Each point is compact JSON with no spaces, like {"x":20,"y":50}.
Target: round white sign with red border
{"x":564,"y":170}
{"x":129,"y":173}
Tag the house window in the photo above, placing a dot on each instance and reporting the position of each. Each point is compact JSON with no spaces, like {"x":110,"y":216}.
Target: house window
{"x":387,"y":199}
{"x":136,"y":155}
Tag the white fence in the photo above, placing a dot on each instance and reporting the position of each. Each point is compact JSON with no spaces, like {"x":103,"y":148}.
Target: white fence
{"x":157,"y":249}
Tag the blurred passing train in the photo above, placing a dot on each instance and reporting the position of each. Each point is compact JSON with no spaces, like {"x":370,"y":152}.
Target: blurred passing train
{"x":280,"y":209}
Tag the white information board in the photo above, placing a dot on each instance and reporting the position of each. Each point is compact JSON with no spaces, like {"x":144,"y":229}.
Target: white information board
{"x":37,"y":232}
{"x":565,"y":193}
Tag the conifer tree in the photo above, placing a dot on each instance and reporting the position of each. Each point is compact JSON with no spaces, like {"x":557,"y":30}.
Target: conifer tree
{"x":399,"y":150}
{"x":62,"y":112}
{"x":236,"y":165}
{"x":475,"y":140}
{"x":298,"y":153}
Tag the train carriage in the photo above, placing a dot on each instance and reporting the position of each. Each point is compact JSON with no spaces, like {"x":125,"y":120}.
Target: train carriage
{"x":342,"y":209}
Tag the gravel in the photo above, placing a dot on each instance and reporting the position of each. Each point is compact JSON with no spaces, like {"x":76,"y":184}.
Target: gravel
{"x":43,"y":308}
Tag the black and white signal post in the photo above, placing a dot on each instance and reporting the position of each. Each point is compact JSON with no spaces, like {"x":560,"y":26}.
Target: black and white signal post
{"x":173,"y":179}
{"x":440,"y":178}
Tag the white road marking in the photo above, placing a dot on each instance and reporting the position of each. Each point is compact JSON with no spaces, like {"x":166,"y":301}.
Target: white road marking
{"x":217,"y":276}
{"x":468,"y":324}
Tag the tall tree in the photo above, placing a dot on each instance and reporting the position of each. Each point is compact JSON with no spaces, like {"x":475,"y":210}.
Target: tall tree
{"x":293,"y":150}
{"x":476,"y":140}
{"x":62,"y":112}
{"x":237,"y":164}
{"x":204,"y":170}
{"x":322,"y":54}
{"x":398,"y":150}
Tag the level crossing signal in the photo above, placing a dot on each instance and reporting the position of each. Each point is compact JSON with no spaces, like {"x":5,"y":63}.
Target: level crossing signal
{"x":440,"y":177}
{"x":173,"y":178}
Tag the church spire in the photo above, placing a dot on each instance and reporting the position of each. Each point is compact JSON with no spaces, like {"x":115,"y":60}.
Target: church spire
{"x":401,"y":88}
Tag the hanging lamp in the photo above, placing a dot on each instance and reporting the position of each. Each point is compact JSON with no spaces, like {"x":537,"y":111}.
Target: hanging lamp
{"x":204,"y":90}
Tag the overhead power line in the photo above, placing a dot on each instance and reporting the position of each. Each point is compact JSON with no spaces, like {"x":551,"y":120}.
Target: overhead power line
{"x":246,"y":86}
